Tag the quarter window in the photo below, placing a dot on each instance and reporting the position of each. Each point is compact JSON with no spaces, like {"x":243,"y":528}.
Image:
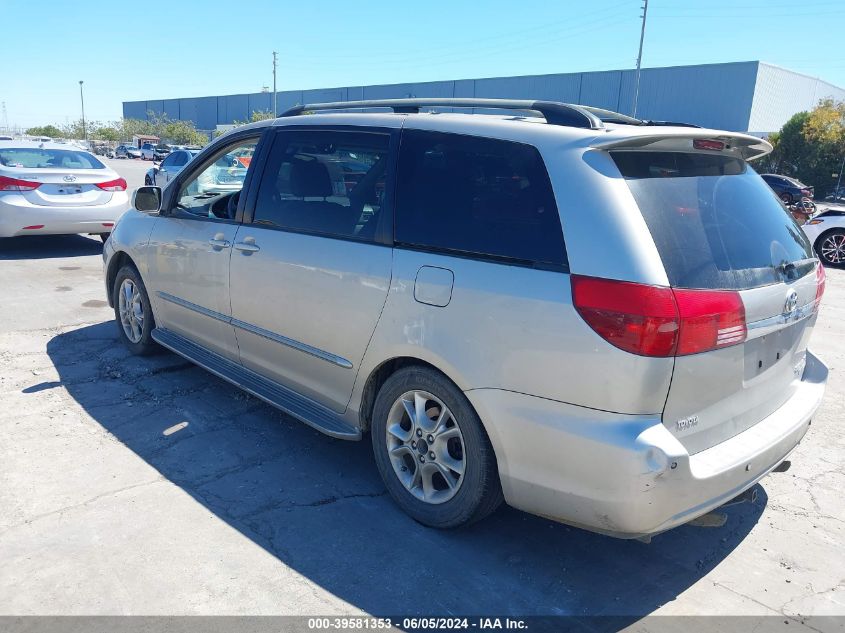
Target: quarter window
{"x":477,"y":196}
{"x":326,"y":182}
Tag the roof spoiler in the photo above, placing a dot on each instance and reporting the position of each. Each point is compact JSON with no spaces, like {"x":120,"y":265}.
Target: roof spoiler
{"x":747,"y":146}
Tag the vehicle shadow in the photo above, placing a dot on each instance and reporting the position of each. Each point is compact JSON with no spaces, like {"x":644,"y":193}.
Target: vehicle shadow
{"x":49,"y":246}
{"x":318,"y":505}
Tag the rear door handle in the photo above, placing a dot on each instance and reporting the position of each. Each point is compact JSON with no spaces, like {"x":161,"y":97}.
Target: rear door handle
{"x":218,"y":243}
{"x":247,"y":246}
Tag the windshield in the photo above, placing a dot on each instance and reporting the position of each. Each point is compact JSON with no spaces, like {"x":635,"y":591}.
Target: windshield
{"x":39,"y":158}
{"x":715,"y":222}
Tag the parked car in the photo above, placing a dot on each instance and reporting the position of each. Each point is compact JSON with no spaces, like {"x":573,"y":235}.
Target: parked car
{"x":172,"y":164}
{"x":826,"y":232}
{"x":48,"y":188}
{"x":788,"y":189}
{"x":599,"y":320}
{"x":837,"y":195}
{"x":127,"y":151}
{"x":147,"y":151}
{"x":161,"y":151}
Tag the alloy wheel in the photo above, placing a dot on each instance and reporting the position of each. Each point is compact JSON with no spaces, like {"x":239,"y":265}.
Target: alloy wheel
{"x":131,"y":309}
{"x":426,"y":447}
{"x":833,"y":248}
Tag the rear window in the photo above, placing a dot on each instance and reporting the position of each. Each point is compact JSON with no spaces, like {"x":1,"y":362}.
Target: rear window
{"x":39,"y":158}
{"x":715,"y":222}
{"x":477,"y":196}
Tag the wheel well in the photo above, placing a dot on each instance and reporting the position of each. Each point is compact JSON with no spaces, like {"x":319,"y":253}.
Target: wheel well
{"x":377,"y":378}
{"x":118,"y":261}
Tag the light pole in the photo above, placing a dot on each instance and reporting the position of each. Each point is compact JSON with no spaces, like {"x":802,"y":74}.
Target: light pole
{"x":639,"y":60}
{"x":82,"y":101}
{"x":275,"y":61}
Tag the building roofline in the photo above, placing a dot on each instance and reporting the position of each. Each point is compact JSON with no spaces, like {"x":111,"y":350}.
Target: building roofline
{"x":431,"y":81}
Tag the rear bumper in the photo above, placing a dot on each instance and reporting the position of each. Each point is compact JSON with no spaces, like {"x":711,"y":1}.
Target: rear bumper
{"x":628,"y":476}
{"x":16,"y":213}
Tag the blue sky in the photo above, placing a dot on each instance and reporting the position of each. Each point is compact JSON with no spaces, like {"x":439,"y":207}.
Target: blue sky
{"x":144,"y":50}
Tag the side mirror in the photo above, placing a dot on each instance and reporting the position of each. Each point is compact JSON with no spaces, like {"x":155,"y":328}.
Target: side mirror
{"x":147,"y":199}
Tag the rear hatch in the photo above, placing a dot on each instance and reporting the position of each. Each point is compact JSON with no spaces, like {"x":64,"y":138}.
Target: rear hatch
{"x":718,"y":227}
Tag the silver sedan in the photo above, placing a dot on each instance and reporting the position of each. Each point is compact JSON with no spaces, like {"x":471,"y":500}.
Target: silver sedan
{"x":51,"y":188}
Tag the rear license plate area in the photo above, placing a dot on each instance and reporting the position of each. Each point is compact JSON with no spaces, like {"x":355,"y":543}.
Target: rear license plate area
{"x":767,"y":352}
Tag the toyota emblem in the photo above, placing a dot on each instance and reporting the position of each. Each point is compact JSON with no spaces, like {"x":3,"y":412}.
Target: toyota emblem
{"x":791,"y":303}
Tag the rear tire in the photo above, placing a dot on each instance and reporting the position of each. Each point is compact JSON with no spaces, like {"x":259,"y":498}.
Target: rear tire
{"x":441,"y":469}
{"x":133,"y":313}
{"x":786,"y":197}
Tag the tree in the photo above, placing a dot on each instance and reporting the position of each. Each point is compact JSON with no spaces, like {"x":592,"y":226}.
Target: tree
{"x":810,"y":146}
{"x":45,"y":130}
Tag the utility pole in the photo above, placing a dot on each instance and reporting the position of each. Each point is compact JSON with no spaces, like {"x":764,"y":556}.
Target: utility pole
{"x":82,"y":101}
{"x":838,"y":190}
{"x":640,"y":58}
{"x":275,"y":63}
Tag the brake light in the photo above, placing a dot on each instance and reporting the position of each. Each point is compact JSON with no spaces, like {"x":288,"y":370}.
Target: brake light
{"x":806,"y":193}
{"x":118,"y":184}
{"x":634,"y":317}
{"x":704,"y":143}
{"x":15,"y":184}
{"x":659,"y":321}
{"x":821,"y":277}
{"x":710,"y":319}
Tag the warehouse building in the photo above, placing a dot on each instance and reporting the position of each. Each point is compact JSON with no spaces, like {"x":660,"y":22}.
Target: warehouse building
{"x":753,"y":96}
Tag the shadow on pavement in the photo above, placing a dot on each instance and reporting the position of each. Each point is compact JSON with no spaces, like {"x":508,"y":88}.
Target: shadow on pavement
{"x":318,"y":505}
{"x":49,"y":246}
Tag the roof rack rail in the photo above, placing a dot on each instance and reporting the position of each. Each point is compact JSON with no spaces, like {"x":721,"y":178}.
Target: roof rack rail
{"x":555,"y":113}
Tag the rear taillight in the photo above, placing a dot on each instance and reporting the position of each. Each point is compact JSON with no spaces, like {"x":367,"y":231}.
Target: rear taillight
{"x":806,"y":193}
{"x":118,"y":184}
{"x":15,"y":184}
{"x":659,"y":321}
{"x":821,"y":276}
{"x":710,"y":319}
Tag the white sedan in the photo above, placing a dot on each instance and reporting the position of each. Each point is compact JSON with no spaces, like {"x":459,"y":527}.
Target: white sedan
{"x":50,"y":188}
{"x":827,"y":235}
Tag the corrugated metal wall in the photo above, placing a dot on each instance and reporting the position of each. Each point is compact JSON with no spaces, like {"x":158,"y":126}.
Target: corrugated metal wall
{"x":780,"y":93}
{"x":739,"y":96}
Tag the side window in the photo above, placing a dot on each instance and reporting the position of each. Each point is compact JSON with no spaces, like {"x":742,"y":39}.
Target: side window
{"x":212,"y":191}
{"x":325,"y":181}
{"x":180,"y":159}
{"x":169,"y":161}
{"x":476,"y":195}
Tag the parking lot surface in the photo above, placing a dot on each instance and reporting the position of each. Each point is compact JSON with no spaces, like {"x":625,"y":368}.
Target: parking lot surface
{"x":148,"y":486}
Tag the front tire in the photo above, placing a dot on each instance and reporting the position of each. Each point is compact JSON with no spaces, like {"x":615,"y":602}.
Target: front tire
{"x":830,"y":248}
{"x":432,"y":451}
{"x":132,"y":311}
{"x":147,"y":181}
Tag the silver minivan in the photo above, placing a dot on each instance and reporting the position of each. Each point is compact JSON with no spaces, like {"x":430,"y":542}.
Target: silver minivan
{"x":594,"y":318}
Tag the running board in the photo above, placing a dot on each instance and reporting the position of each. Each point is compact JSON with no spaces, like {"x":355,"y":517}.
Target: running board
{"x":304,"y":409}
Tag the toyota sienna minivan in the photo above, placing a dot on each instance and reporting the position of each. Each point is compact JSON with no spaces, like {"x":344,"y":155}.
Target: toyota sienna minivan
{"x":596,"y":319}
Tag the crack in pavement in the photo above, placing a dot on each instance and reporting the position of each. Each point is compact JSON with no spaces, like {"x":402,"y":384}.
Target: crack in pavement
{"x":81,"y":504}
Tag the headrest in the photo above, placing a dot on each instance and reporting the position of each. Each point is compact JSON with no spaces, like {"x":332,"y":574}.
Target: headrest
{"x":310,"y":179}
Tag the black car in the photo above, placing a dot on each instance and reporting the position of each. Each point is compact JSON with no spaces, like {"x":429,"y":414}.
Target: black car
{"x":161,"y":151}
{"x":788,"y":189}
